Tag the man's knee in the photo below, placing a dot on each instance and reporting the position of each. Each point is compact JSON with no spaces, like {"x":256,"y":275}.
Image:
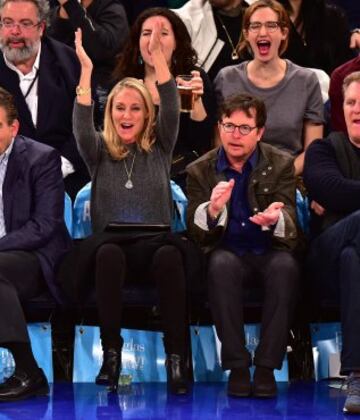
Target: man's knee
{"x":223,"y":265}
{"x":284,"y":274}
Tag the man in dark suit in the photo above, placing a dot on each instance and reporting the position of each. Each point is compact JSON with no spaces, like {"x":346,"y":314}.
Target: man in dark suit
{"x":33,"y":239}
{"x":42,"y":75}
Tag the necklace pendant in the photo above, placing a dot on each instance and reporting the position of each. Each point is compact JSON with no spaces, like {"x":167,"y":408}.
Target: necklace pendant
{"x":234,"y":55}
{"x":129,"y":185}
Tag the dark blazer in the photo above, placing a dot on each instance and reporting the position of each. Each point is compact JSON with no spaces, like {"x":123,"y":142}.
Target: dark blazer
{"x":59,"y":73}
{"x":33,"y":197}
{"x":271,"y":180}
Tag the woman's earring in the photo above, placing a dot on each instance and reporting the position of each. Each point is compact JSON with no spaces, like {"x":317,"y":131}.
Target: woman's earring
{"x":140,"y":60}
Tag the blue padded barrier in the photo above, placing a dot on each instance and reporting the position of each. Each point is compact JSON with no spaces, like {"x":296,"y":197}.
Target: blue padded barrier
{"x":40,"y":338}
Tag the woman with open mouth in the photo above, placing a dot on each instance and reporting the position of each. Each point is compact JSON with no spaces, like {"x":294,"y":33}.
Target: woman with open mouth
{"x":129,"y":163}
{"x":291,"y":93}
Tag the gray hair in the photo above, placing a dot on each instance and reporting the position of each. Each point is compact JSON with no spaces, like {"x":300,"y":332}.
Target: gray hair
{"x":42,"y":6}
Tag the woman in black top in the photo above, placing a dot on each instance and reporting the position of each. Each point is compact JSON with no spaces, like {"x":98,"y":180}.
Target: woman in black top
{"x":319,"y":36}
{"x":196,"y":128}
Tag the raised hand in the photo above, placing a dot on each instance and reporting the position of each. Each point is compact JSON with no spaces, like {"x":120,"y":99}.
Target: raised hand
{"x":155,"y":44}
{"x":317,"y":208}
{"x":220,"y":195}
{"x":355,"y":40}
{"x":269,"y":216}
{"x":85,"y":61}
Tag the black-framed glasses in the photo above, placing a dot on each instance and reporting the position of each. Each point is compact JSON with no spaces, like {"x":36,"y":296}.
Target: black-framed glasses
{"x":244,"y":129}
{"x":23,"y":24}
{"x":270,"y":26}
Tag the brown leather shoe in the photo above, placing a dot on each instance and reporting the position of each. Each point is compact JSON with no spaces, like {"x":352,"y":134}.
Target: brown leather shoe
{"x":239,"y":384}
{"x":264,"y":383}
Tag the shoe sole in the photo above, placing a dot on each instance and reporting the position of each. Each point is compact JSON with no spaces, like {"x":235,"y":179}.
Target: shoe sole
{"x":264,"y":395}
{"x":351,"y":410}
{"x":111,"y":387}
{"x":239,"y":394}
{"x":42,"y":392}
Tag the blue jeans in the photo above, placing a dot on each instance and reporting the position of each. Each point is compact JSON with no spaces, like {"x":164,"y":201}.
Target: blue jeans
{"x":334,"y":265}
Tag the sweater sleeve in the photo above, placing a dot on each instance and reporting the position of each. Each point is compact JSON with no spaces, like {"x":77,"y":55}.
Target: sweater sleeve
{"x":87,"y":138}
{"x":325,"y":181}
{"x":167,"y":124}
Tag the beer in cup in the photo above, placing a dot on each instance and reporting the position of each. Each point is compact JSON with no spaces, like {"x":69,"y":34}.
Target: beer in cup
{"x":183,"y":82}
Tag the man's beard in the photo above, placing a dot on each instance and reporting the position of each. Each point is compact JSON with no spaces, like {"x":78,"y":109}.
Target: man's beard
{"x":19,"y":55}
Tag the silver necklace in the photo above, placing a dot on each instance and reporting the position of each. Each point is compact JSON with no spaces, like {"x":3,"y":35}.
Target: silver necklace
{"x":129,"y":184}
{"x":234,"y":54}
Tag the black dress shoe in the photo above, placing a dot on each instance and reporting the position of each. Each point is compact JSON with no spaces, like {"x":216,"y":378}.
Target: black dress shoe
{"x":239,"y":384}
{"x":22,"y":385}
{"x":264,"y":383}
{"x":110,"y":369}
{"x":176,"y":374}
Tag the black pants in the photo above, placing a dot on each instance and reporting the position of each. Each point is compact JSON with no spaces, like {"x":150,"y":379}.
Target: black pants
{"x":228,"y":274}
{"x":142,"y":261}
{"x":20,"y":279}
{"x":334,"y":264}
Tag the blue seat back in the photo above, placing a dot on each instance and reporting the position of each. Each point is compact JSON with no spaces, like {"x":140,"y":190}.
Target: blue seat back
{"x":68,"y":213}
{"x":81,"y":214}
{"x":180,"y":203}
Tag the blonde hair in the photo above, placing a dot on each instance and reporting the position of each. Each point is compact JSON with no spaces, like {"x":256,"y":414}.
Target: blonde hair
{"x":284,"y":22}
{"x":350,"y":78}
{"x":146,"y":139}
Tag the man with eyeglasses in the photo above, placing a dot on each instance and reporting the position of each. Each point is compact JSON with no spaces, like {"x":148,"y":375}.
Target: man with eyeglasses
{"x":242,"y":212}
{"x":42,"y":74}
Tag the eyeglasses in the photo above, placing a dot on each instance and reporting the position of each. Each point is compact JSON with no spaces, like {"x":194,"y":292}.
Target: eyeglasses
{"x":270,"y":26}
{"x":24,"y":25}
{"x":244,"y":129}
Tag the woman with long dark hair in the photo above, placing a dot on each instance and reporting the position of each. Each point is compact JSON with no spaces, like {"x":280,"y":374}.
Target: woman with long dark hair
{"x":196,"y":128}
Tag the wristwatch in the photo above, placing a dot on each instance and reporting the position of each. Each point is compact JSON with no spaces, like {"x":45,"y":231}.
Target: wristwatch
{"x":82,"y":91}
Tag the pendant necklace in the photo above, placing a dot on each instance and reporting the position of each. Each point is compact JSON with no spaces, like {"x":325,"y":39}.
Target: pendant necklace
{"x":234,"y":53}
{"x":129,"y":184}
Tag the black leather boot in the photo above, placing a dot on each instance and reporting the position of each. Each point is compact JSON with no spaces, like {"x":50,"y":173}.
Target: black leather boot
{"x":110,"y":369}
{"x":176,"y":374}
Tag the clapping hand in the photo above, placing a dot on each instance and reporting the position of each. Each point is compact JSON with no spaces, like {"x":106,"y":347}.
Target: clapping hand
{"x":269,"y":216}
{"x":220,"y":195}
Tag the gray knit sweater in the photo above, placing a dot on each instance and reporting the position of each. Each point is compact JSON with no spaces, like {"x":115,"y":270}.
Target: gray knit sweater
{"x":149,"y":201}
